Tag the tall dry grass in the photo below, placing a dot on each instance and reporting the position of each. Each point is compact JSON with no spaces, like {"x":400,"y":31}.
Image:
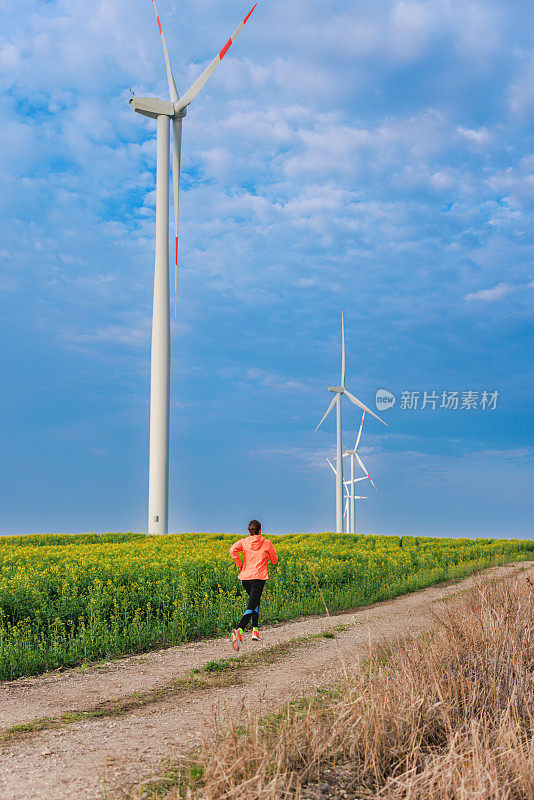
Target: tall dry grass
{"x":449,"y":716}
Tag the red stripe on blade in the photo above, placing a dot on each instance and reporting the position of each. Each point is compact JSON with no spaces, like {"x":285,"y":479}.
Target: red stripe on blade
{"x":249,"y":13}
{"x":225,"y":49}
{"x":176,"y":252}
{"x":159,"y":25}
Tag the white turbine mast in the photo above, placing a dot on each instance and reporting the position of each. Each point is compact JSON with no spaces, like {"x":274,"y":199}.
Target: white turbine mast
{"x":163,"y":112}
{"x":338,"y":392}
{"x":355,"y":455}
{"x":346,"y":512}
{"x":349,"y":527}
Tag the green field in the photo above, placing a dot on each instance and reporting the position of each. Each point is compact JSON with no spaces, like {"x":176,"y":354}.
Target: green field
{"x":65,"y":599}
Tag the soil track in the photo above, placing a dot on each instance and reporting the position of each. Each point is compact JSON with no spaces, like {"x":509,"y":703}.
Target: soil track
{"x":83,"y":759}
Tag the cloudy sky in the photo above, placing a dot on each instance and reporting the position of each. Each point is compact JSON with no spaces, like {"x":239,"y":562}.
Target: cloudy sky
{"x":375,"y":157}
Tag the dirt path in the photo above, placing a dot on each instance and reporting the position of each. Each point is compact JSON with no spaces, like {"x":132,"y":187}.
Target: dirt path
{"x":78,"y":760}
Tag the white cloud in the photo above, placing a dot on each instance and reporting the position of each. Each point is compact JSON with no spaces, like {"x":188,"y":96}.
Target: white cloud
{"x":516,"y":182}
{"x":521,"y":92}
{"x":480,"y":136}
{"x":114,"y":334}
{"x":490,"y":295}
{"x":273,"y":381}
{"x":514,"y":454}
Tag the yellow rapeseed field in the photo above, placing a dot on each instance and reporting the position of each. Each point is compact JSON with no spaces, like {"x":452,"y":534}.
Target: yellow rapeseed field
{"x":66,"y":599}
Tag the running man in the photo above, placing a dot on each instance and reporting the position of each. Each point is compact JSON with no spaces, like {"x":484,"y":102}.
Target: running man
{"x":253,"y":572}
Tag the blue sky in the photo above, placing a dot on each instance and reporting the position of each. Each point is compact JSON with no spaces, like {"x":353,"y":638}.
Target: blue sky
{"x":371,"y":157}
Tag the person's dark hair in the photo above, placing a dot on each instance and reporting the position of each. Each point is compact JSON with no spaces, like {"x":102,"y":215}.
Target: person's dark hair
{"x":254,"y":526}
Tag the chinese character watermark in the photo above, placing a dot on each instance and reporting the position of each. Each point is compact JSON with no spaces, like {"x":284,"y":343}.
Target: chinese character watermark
{"x":409,"y":400}
{"x":489,"y":401}
{"x":430,"y":399}
{"x":470,"y":400}
{"x":449,"y":400}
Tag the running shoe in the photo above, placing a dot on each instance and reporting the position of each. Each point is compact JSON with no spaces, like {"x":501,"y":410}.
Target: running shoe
{"x":235,"y":639}
{"x":256,"y":636}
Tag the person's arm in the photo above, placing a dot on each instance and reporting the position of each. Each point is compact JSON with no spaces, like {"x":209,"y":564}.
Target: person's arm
{"x":234,"y":552}
{"x":273,"y":558}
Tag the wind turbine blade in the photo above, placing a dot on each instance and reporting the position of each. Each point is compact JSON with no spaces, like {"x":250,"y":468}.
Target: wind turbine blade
{"x":364,"y":469}
{"x":342,"y":351}
{"x":359,"y":432}
{"x":210,"y":69}
{"x":173,"y":92}
{"x":362,"y":465}
{"x":328,"y":410}
{"x":176,"y":162}
{"x":335,"y":470}
{"x":364,"y":407}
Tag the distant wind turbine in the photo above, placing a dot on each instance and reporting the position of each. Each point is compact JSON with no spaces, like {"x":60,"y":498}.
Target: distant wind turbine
{"x":348,"y":528}
{"x":355,"y":455}
{"x":163,"y":112}
{"x":336,"y":401}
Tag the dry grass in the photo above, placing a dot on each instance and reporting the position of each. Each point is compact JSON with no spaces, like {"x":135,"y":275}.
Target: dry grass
{"x":449,"y":716}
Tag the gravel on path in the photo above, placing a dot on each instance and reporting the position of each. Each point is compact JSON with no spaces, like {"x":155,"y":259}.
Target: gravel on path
{"x":83,"y":760}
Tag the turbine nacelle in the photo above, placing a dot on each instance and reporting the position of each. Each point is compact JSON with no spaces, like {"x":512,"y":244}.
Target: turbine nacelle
{"x":154,"y":107}
{"x":336,"y":389}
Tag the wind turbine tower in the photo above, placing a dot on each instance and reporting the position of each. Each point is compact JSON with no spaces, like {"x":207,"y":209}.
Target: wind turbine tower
{"x":164,"y":112}
{"x":355,"y":455}
{"x":346,"y":513}
{"x":350,"y":496}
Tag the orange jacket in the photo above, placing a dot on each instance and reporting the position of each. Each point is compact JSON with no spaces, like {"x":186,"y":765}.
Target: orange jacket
{"x":256,"y":552}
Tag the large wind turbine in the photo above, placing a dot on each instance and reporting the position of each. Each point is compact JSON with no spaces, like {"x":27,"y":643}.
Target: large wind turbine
{"x":355,"y":455}
{"x":336,"y":401}
{"x":163,"y":112}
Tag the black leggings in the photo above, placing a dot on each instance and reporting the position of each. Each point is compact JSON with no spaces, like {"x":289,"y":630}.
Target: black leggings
{"x":254,"y":590}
